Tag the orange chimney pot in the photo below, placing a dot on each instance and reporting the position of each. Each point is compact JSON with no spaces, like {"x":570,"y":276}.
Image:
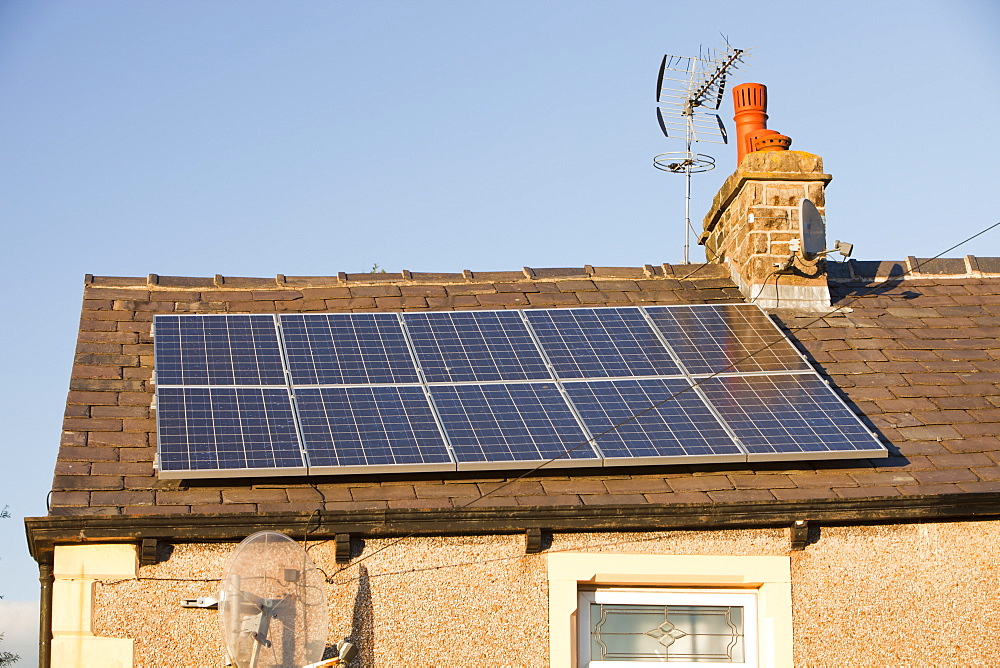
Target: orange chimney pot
{"x":750,"y":101}
{"x":769,"y":140}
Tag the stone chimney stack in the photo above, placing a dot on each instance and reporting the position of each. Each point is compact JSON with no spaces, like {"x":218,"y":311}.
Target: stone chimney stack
{"x":759,"y":224}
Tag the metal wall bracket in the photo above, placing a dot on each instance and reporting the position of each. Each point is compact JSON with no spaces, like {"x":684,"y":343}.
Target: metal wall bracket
{"x":343,"y":551}
{"x":201,"y":602}
{"x":147,"y":551}
{"x":799,"y":534}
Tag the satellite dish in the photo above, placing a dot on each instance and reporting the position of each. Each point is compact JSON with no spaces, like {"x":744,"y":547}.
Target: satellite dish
{"x":813,"y":228}
{"x":272,"y":604}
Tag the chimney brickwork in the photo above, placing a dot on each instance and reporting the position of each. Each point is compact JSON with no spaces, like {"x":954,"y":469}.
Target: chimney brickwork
{"x":754,"y":228}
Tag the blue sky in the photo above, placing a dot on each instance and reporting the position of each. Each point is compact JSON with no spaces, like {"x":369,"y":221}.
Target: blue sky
{"x":255,"y":138}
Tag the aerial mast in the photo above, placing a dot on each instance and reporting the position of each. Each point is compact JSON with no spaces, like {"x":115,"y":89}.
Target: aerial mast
{"x":689,"y":90}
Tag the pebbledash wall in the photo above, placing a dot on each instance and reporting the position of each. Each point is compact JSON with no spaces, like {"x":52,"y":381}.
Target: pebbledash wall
{"x":860,"y":595}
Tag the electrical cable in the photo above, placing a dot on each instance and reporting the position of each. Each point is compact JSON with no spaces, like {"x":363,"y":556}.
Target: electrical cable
{"x":670,"y":398}
{"x":330,"y":578}
{"x":764,"y":285}
{"x":479,"y":562}
{"x":476,"y":562}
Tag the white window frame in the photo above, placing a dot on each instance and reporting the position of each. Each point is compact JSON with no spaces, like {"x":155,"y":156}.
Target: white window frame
{"x":659,"y":597}
{"x":768,"y":577}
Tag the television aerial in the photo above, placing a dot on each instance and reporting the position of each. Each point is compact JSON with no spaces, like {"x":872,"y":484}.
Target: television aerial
{"x":272,"y":605}
{"x":689,"y":90}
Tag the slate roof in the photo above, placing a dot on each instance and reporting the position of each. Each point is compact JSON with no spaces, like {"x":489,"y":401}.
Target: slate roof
{"x":915,"y":352}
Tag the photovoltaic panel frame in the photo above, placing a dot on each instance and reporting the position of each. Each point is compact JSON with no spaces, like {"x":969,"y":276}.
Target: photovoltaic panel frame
{"x":241,"y":395}
{"x":238,"y":431}
{"x":600,"y":343}
{"x":726,"y":338}
{"x":347,"y":349}
{"x":791,"y":416}
{"x":511,"y":425}
{"x":218,"y":350}
{"x":474,"y":346}
{"x":671,"y":425}
{"x":352,"y":429}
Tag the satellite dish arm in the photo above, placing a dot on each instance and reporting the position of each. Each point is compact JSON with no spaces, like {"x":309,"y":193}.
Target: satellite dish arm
{"x":345,"y":654}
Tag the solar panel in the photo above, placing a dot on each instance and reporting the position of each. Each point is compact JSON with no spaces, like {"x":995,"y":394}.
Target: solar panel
{"x":511,"y":425}
{"x":714,"y":338}
{"x":657,"y":419}
{"x":239,"y":430}
{"x":601,"y":343}
{"x":476,"y":346}
{"x":371,"y":426}
{"x":347,"y":348}
{"x":789,"y":416}
{"x":217,"y":350}
{"x":383,"y":392}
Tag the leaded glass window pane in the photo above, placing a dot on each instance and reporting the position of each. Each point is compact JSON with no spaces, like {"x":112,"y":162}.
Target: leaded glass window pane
{"x":684,"y":627}
{"x":666,"y":633}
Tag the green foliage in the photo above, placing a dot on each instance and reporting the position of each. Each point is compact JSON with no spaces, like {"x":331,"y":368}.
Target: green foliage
{"x":376,"y":269}
{"x":7,"y":658}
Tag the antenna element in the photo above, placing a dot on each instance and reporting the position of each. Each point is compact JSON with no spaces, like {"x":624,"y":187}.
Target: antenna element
{"x":688,"y":90}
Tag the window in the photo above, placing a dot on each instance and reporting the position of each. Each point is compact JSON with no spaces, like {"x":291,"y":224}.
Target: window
{"x":683,"y":627}
{"x":685,"y":610}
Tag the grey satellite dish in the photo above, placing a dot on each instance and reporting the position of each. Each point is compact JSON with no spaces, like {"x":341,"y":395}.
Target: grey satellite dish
{"x":813,"y":228}
{"x":272,"y":604}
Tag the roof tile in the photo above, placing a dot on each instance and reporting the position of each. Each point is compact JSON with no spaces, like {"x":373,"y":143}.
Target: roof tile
{"x":275,"y":295}
{"x":554,"y":299}
{"x":960,"y":461}
{"x":980,"y":487}
{"x":641,"y":485}
{"x":458,"y":301}
{"x":88,"y":482}
{"x":678,"y":497}
{"x":457,"y":490}
{"x":945,"y":476}
{"x":423,"y":291}
{"x":738,"y":495}
{"x":123,"y":468}
{"x":804,"y":494}
{"x":865,"y":492}
{"x":867,"y":478}
{"x":549,"y":500}
{"x":471,"y":289}
{"x":987,"y":472}
{"x":116,"y":293}
{"x":187,"y":497}
{"x":575,"y":486}
{"x":978,"y":429}
{"x":985,"y":444}
{"x":944,"y":417}
{"x":503,"y":299}
{"x":421,"y":504}
{"x":400,"y":302}
{"x":376,"y":291}
{"x":614,"y":499}
{"x":757,"y":481}
{"x":930,"y":489}
{"x":516,"y":488}
{"x":700,"y":483}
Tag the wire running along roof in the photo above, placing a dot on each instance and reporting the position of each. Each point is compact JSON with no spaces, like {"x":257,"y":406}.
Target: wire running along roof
{"x":328,"y":393}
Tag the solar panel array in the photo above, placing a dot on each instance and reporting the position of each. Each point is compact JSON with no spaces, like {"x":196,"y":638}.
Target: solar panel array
{"x":327,"y":393}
